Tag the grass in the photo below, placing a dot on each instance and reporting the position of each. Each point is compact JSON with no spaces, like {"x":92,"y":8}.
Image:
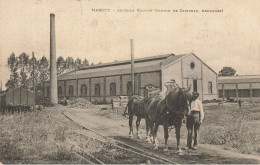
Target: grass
{"x":231,"y":127}
{"x":33,"y":138}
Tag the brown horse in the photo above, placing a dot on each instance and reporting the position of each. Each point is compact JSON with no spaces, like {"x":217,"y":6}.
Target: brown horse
{"x":135,"y":108}
{"x":167,"y":112}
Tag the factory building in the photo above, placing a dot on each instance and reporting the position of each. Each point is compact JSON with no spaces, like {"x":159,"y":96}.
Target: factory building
{"x":246,"y":87}
{"x":103,"y":82}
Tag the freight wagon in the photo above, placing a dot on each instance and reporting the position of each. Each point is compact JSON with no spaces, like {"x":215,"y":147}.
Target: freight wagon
{"x":17,"y":99}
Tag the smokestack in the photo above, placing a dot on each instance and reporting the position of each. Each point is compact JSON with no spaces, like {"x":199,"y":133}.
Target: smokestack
{"x":53,"y":71}
{"x":132,"y":67}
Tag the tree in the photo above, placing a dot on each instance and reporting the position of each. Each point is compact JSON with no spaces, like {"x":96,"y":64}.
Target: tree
{"x":227,"y":71}
{"x":44,"y":70}
{"x":78,"y":62}
{"x":85,"y":62}
{"x":12,"y":64}
{"x":23,"y":61}
{"x":69,"y":63}
{"x":61,"y":66}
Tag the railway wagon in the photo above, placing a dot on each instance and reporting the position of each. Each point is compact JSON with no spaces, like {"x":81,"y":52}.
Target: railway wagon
{"x":17,"y":99}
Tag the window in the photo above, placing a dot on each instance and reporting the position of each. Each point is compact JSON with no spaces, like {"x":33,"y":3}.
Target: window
{"x":83,"y":90}
{"x":129,"y":88}
{"x":243,"y":93}
{"x":192,"y":65}
{"x":256,"y":92}
{"x":210,"y":87}
{"x":97,"y":90}
{"x":59,"y":91}
{"x":112,"y":89}
{"x":70,"y":91}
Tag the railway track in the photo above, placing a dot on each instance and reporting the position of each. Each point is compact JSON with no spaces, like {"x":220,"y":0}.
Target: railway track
{"x":126,"y":148}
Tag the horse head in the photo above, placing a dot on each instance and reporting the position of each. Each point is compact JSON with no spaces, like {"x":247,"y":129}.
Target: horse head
{"x":178,"y":101}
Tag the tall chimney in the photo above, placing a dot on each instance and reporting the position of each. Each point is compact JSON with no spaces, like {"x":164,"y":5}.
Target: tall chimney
{"x":132,"y":67}
{"x":53,"y":71}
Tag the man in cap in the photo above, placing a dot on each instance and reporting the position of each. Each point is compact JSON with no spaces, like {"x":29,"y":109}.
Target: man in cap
{"x":194,"y":120}
{"x":170,"y":85}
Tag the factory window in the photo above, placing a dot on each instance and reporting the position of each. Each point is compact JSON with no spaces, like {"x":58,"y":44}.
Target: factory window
{"x":97,"y":90}
{"x":220,"y":93}
{"x":83,"y":90}
{"x":129,"y":88}
{"x":192,"y":65}
{"x":210,"y":87}
{"x":256,"y":92}
{"x":243,"y":93}
{"x":59,"y":91}
{"x":71,"y":91}
{"x":112,"y":89}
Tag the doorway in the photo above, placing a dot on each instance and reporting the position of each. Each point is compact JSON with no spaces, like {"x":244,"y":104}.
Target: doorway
{"x":195,"y":87}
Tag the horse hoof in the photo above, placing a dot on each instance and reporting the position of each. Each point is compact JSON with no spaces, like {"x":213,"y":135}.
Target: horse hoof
{"x":155,"y":147}
{"x":165,"y":150}
{"x":148,"y":140}
{"x":179,"y":151}
{"x":139,"y":136}
{"x":131,"y":136}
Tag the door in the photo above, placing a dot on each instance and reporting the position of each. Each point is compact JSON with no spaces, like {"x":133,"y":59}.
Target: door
{"x":195,"y":85}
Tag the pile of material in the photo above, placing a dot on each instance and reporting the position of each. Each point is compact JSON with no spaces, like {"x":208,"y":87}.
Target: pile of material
{"x":80,"y":103}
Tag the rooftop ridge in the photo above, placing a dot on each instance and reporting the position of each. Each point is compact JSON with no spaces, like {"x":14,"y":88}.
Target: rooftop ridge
{"x":143,"y":59}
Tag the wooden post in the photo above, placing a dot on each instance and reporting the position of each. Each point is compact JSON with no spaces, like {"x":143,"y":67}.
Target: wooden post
{"x":121,"y":85}
{"x":33,"y":82}
{"x":132,"y":66}
{"x":139,"y":84}
{"x":251,"y":92}
{"x":182,"y":78}
{"x":77,"y":88}
{"x":237,"y":91}
{"x":90,"y":89}
{"x":223,"y":92}
{"x":202,"y":82}
{"x":104,"y":97}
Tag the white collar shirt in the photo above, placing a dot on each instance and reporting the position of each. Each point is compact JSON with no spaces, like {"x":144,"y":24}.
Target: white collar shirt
{"x":196,"y":105}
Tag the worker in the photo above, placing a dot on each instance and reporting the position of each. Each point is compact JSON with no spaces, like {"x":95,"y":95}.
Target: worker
{"x":240,"y":103}
{"x":194,"y":120}
{"x":170,"y":85}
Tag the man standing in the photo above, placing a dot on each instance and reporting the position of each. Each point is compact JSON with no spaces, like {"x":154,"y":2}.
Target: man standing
{"x":194,"y":120}
{"x":170,"y":85}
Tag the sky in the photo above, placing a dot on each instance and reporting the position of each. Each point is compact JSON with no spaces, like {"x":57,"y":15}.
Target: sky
{"x":228,"y":38}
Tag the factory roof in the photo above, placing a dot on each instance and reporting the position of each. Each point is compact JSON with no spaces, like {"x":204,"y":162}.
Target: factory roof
{"x":147,"y":64}
{"x":239,"y":79}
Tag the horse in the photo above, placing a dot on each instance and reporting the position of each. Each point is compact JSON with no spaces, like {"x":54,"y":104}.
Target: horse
{"x":169,"y":111}
{"x":135,"y":107}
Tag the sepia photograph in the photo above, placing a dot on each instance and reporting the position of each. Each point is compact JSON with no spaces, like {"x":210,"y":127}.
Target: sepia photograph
{"x":129,"y":82}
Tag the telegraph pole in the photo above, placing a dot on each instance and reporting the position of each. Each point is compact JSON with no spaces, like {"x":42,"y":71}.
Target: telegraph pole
{"x":132,"y":66}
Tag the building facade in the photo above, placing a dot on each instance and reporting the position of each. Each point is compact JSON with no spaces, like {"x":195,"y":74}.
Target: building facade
{"x":103,"y":82}
{"x":235,"y":87}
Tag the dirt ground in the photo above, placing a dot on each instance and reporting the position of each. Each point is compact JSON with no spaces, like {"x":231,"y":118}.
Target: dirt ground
{"x":47,"y":136}
{"x":111,"y":123}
